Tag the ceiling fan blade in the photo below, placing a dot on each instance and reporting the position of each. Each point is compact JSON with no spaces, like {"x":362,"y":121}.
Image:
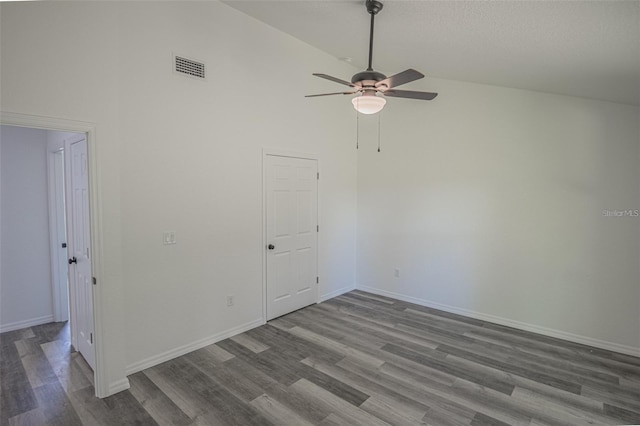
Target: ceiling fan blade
{"x":329,"y":94}
{"x":401,"y":78}
{"x":334,"y":79}
{"x":410,"y":94}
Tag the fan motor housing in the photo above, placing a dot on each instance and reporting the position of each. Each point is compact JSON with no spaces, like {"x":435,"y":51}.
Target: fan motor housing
{"x":368,"y":75}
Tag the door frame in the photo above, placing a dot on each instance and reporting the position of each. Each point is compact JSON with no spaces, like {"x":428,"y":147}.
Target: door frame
{"x":60,"y":288}
{"x":89,"y":129}
{"x":291,"y":154}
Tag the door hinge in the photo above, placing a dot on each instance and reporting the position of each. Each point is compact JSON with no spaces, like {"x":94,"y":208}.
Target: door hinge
{"x":318,"y":175}
{"x":91,"y":337}
{"x":317,"y":228}
{"x":317,"y":280}
{"x":94,"y":281}
{"x":64,"y":245}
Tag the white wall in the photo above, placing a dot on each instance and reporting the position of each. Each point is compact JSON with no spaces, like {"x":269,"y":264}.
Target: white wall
{"x":183,"y":155}
{"x":60,"y":60}
{"x":192,"y":163}
{"x":25,"y":279}
{"x":489,"y":201}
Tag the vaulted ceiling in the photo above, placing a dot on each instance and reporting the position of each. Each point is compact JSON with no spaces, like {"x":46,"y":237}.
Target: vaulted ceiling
{"x":580,"y":48}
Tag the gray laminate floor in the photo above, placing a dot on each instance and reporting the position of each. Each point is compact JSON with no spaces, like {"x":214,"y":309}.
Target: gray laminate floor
{"x":358,"y":359}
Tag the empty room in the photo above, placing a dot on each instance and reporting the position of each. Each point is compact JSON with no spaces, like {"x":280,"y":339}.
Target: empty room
{"x":320,"y":212}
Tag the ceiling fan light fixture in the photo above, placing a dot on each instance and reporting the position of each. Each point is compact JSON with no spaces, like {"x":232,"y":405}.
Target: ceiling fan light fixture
{"x":368,"y":104}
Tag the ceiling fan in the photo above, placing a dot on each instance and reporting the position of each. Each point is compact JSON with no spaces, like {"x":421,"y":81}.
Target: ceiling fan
{"x":372,"y":86}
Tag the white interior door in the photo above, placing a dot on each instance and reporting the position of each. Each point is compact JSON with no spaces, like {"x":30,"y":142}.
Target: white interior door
{"x":292,"y":234}
{"x":79,"y":244}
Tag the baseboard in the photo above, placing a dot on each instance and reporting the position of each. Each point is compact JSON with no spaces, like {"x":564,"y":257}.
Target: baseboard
{"x":190,"y":347}
{"x":26,"y":323}
{"x":119,"y":386}
{"x":337,"y":293}
{"x":550,"y":332}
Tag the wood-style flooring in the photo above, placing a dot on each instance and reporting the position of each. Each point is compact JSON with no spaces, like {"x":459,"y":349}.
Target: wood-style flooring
{"x":358,"y":359}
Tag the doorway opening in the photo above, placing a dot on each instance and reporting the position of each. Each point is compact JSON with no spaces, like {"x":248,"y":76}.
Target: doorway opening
{"x":37,"y":280}
{"x":70,"y":200}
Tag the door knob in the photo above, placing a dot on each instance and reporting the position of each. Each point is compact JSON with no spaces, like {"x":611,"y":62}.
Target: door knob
{"x":271,"y":246}
{"x":73,"y":260}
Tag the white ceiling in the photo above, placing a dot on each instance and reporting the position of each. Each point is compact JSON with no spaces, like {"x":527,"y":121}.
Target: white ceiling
{"x":581,"y":48}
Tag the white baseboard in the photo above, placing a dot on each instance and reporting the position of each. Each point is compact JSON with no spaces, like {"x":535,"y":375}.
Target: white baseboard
{"x":190,"y":347}
{"x":119,"y":386}
{"x":26,"y":323}
{"x":576,"y":338}
{"x":336,"y":293}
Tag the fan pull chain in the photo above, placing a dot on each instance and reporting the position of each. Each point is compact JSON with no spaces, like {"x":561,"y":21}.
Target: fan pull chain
{"x":379,"y":114}
{"x":357,"y":125}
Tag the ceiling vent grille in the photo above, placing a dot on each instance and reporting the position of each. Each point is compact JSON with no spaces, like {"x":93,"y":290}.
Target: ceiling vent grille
{"x":188,"y":67}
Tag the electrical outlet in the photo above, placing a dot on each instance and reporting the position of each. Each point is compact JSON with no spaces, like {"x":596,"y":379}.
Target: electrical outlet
{"x":229,"y":300}
{"x":396,"y":273}
{"x":169,"y":237}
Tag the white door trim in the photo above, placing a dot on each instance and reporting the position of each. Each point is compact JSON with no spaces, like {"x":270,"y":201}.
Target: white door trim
{"x":64,"y":125}
{"x":281,"y":153}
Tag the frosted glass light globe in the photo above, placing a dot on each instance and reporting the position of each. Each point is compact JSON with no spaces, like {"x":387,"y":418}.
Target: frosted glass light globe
{"x":368,"y":104}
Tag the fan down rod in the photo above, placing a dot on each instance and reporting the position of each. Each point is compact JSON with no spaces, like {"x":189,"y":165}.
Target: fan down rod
{"x":373,"y":7}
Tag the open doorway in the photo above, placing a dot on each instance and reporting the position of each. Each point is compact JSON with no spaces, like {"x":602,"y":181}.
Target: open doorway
{"x":46,"y":238}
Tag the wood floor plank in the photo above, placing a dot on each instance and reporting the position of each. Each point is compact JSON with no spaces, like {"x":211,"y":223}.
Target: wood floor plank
{"x":438,"y":416}
{"x":632,"y":404}
{"x":556,"y":351}
{"x":237,"y":384}
{"x":371,"y":331}
{"x":30,"y":418}
{"x":624,"y":415}
{"x":445,"y":367}
{"x":250,"y":343}
{"x":159,"y":406}
{"x":336,"y":405}
{"x":533,"y":374}
{"x":292,"y":344}
{"x":483,"y":420}
{"x":120,"y":409}
{"x":411,"y":408}
{"x":422,"y":391}
{"x":55,"y":405}
{"x":543,"y":403}
{"x":37,"y":366}
{"x":335,"y":346}
{"x":484,"y":400}
{"x":554,"y":341}
{"x":263,"y":362}
{"x":16,"y":393}
{"x":66,"y":366}
{"x":524,"y":409}
{"x":277,"y":413}
{"x":389,"y":413}
{"x":210,"y":400}
{"x":218,"y":353}
{"x":163,"y":380}
{"x":334,"y":420}
{"x":402,"y":314}
{"x":567,"y":399}
{"x":300,"y":370}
